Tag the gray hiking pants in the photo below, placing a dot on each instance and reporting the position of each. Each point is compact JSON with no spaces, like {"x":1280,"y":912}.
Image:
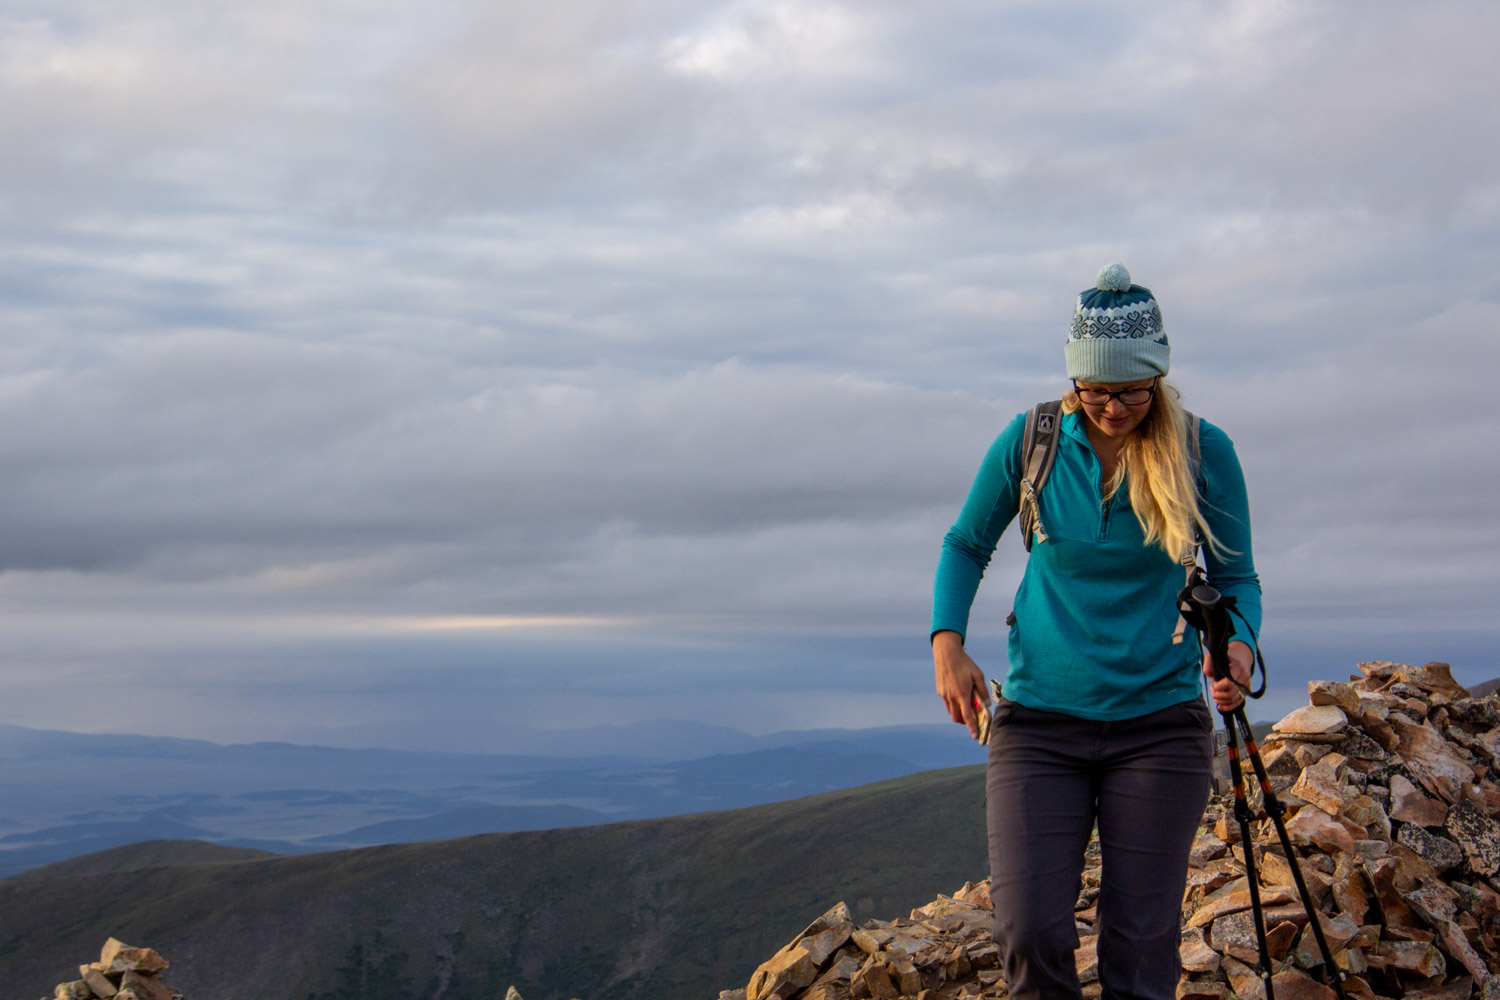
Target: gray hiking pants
{"x":1051,"y":777}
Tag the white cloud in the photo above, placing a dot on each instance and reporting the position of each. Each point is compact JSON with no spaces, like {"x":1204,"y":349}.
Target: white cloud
{"x":775,"y":43}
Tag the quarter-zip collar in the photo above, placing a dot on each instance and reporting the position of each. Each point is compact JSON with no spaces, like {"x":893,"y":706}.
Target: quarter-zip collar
{"x":1072,"y":426}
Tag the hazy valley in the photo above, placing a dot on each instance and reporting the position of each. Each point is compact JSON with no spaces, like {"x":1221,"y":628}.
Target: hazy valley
{"x":67,"y":794}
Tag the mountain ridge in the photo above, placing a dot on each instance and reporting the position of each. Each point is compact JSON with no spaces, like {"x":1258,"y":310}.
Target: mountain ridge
{"x":661,"y":909}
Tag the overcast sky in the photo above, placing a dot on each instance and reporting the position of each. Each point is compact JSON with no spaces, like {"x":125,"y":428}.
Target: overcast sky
{"x":439,"y":369}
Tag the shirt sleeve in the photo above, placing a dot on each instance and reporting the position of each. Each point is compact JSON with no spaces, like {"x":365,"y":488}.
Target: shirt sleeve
{"x":1226,"y":508}
{"x":991,"y":505}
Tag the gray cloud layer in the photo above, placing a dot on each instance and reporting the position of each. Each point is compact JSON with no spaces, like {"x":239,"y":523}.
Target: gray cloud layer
{"x":697,"y":317}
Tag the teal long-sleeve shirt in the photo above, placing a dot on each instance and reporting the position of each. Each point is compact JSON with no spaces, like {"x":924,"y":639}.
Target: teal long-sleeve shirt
{"x":1096,"y":608}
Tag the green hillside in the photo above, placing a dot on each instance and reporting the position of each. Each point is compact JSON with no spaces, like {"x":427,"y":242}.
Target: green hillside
{"x":150,"y":854}
{"x":671,"y":909}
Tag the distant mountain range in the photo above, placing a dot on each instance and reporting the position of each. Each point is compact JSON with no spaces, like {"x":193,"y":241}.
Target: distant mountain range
{"x":670,"y":909}
{"x":67,"y":794}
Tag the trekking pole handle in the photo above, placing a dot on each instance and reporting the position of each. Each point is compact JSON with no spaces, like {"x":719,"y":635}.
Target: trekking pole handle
{"x":1216,"y":629}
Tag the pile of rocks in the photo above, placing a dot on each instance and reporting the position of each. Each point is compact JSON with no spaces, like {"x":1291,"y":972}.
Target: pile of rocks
{"x":122,"y":973}
{"x":1392,"y":785}
{"x":943,"y":950}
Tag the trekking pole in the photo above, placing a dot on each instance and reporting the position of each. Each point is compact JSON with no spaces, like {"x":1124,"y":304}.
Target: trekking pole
{"x":1208,"y":611}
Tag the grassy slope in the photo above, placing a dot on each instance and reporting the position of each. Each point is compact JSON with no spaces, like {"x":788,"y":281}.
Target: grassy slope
{"x":150,"y":854}
{"x":648,"y":910}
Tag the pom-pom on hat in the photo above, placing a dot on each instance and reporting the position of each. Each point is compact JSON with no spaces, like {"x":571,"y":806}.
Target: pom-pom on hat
{"x":1117,"y":333}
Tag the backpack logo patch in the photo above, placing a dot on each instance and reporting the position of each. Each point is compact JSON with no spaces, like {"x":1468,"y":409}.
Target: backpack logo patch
{"x":1044,"y":422}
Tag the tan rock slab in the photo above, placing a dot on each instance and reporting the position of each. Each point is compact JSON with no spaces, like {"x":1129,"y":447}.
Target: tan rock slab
{"x":1379,"y":729}
{"x":1206,"y":847}
{"x":1459,"y":989}
{"x":1378,"y":672}
{"x":1351,"y":960}
{"x":1287,"y":913}
{"x":147,"y":987}
{"x":1336,"y":931}
{"x":943,"y":906}
{"x":76,"y":990}
{"x":905,"y":976}
{"x":1308,"y":754}
{"x":1313,"y":720}
{"x":1409,"y":804}
{"x":875,"y":977}
{"x":1234,"y":936}
{"x":1456,"y":943}
{"x":1294,"y":984}
{"x":825,"y":991}
{"x":1435,"y":678}
{"x":1238,"y":901}
{"x":1431,"y":760}
{"x":841,"y":970}
{"x":1433,"y":901}
{"x":1200,"y":989}
{"x":985,"y":956}
{"x":824,"y":943}
{"x":956,"y":963}
{"x":1334,"y":693}
{"x":1196,"y":955}
{"x":1227,"y":829}
{"x":1208,"y":878}
{"x":1414,"y":707}
{"x":1357,"y":988}
{"x":976,"y":894}
{"x":1490,"y":740}
{"x":1281,"y":937}
{"x":117,"y":956}
{"x":1274,"y":869}
{"x":1366,"y":812}
{"x":101,"y":986}
{"x":1245,"y":981}
{"x":871,"y":941}
{"x":1313,"y":826}
{"x":1410,"y":868}
{"x":1349,"y":890}
{"x":1413,"y":956}
{"x":792,"y":966}
{"x":1322,"y":786}
{"x":1086,"y":959}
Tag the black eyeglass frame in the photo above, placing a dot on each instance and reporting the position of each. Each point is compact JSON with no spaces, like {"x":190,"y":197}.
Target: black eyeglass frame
{"x":1120,"y":394}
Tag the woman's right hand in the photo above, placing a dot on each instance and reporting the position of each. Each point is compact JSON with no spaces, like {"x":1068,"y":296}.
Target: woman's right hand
{"x":959,"y":679}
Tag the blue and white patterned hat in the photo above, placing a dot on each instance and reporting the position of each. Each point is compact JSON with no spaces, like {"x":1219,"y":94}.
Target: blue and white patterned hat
{"x":1117,"y":334}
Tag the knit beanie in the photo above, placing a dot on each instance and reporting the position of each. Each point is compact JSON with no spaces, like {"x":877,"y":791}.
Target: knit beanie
{"x":1117,"y":335}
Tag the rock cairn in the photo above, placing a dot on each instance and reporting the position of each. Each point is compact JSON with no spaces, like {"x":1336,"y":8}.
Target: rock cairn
{"x":1392,"y":786}
{"x":122,"y":973}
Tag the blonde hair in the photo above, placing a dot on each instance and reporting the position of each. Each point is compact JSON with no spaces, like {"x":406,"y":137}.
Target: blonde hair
{"x":1155,"y":464}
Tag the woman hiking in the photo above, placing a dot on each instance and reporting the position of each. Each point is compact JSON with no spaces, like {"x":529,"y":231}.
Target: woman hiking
{"x":1100,"y":719}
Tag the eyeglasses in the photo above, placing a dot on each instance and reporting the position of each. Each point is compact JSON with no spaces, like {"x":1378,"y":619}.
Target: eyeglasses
{"x":1101,"y":397}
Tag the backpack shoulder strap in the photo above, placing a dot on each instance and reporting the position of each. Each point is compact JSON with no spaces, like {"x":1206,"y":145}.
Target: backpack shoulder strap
{"x":1038,"y":453}
{"x":1195,"y":455}
{"x":1195,"y":468}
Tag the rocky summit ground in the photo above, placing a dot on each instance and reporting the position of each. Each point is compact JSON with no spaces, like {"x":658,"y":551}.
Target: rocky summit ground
{"x":1392,"y":788}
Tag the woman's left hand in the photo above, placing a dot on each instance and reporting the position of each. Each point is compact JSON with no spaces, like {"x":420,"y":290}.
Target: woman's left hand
{"x":1227,"y":696}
